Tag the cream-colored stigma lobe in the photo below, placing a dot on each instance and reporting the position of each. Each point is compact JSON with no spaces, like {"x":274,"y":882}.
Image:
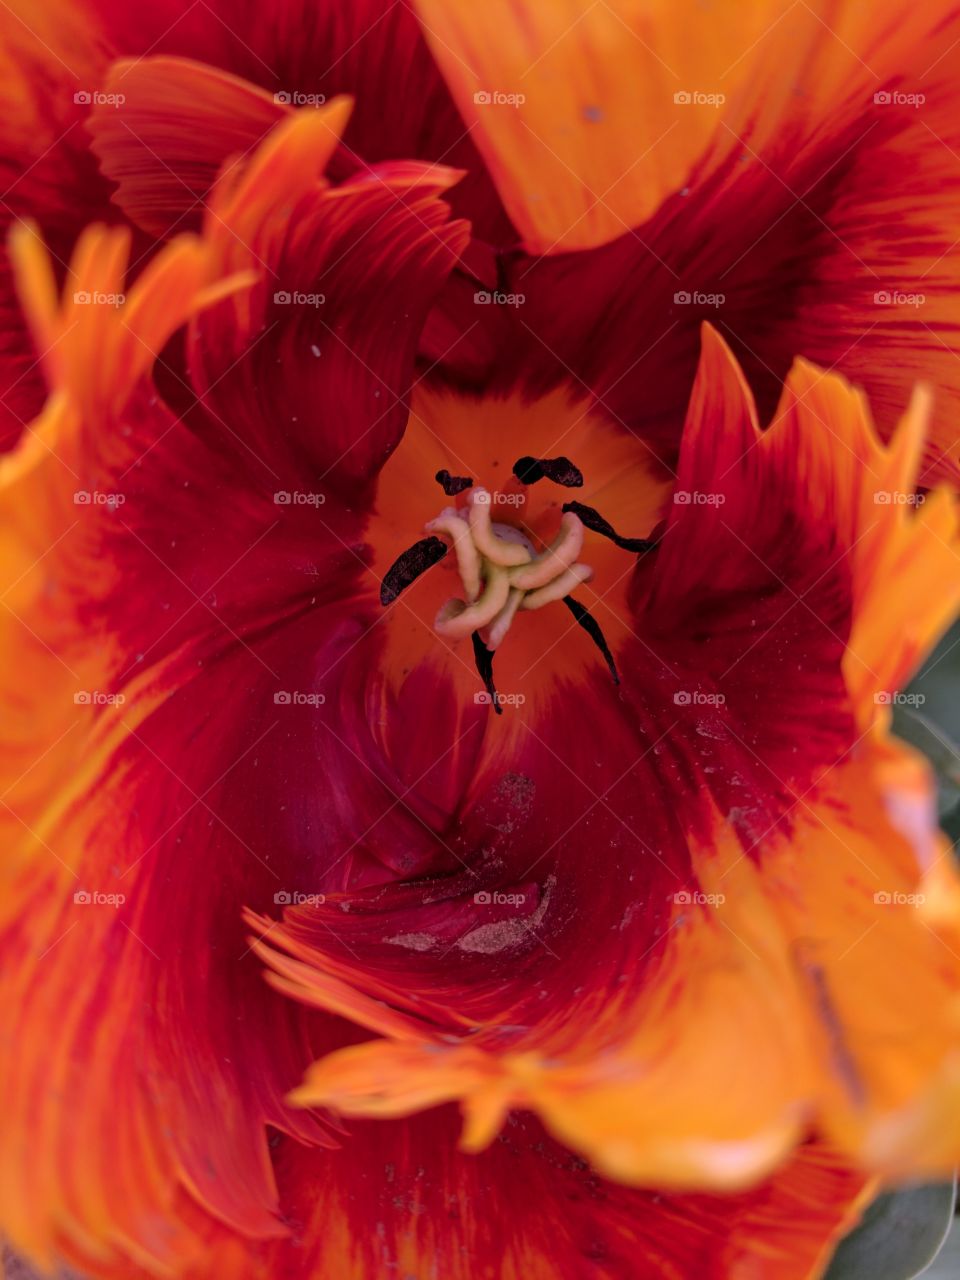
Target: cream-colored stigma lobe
{"x":501,"y":571}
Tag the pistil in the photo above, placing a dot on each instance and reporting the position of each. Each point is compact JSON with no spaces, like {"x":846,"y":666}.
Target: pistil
{"x":503,"y":558}
{"x":501,"y":570}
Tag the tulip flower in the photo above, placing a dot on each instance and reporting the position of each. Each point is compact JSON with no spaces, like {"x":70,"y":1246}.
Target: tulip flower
{"x":477,"y":483}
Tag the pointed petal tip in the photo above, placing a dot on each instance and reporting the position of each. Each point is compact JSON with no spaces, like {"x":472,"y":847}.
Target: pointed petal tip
{"x":716,"y":353}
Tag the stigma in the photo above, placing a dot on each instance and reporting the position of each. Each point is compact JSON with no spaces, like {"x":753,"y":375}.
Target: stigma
{"x":500,"y":570}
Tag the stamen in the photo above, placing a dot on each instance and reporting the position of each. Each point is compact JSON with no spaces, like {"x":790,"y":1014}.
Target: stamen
{"x":594,"y":521}
{"x":408,"y":566}
{"x":452,"y":485}
{"x":483,"y":657}
{"x":502,"y":558}
{"x":592,"y":628}
{"x":501,"y":570}
{"x":560,"y":470}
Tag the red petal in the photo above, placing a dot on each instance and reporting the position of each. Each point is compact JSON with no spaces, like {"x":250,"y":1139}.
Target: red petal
{"x":350,"y":273}
{"x":166,"y":142}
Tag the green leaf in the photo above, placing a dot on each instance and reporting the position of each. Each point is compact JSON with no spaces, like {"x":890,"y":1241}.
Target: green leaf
{"x":901,"y":1233}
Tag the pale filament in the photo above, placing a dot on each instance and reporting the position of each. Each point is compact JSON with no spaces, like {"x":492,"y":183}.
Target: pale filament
{"x":502,"y":559}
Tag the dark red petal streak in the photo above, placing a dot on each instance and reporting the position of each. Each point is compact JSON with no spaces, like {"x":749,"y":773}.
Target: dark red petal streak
{"x":313,"y":376}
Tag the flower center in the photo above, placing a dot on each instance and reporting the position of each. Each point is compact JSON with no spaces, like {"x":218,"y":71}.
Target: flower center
{"x":500,"y":569}
{"x":505,"y":536}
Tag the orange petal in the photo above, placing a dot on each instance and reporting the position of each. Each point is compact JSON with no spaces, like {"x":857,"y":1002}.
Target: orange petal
{"x":590,"y":116}
{"x":573,"y":106}
{"x":857,"y":888}
{"x":821,"y":459}
{"x":665,"y":1099}
{"x":902,"y":546}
